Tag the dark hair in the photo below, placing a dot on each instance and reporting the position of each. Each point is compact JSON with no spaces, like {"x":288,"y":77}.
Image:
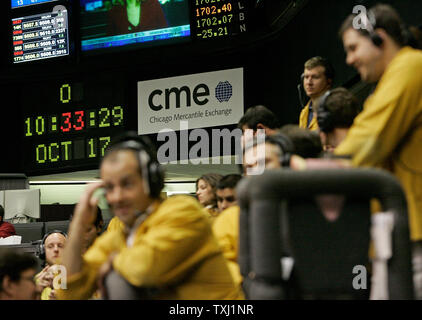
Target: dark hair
{"x":13,"y":262}
{"x":342,"y":106}
{"x":259,"y":114}
{"x":386,"y":17}
{"x":415,"y":37}
{"x":229,"y":181}
{"x":212,"y":179}
{"x":307,"y":143}
{"x":1,"y":212}
{"x":323,"y":62}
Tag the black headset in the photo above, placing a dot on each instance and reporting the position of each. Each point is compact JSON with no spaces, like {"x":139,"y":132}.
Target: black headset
{"x":41,"y":253}
{"x":325,"y":117}
{"x":286,"y":146}
{"x":300,"y":90}
{"x":370,"y":28}
{"x":151,"y":170}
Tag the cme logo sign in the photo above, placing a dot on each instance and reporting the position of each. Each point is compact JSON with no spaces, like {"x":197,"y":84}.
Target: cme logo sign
{"x":204,"y":100}
{"x":199,"y":95}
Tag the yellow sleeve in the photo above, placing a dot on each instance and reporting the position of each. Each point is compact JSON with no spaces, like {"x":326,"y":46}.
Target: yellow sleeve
{"x":211,"y":214}
{"x":82,"y":285}
{"x":226,"y":230}
{"x":175,"y":241}
{"x":45,"y":294}
{"x":387,"y":116}
{"x":79,"y":286}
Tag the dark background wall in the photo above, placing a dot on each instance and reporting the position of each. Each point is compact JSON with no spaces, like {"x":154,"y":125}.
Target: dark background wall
{"x":272,"y":68}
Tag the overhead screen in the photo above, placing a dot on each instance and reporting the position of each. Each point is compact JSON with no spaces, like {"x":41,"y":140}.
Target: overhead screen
{"x":43,"y":29}
{"x":25,"y":3}
{"x":108,"y":24}
{"x":40,"y":36}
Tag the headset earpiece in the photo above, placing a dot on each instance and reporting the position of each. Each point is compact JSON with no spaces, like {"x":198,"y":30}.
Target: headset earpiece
{"x":286,"y":147}
{"x":370,"y":27}
{"x":300,"y":90}
{"x":151,"y":170}
{"x":376,"y":39}
{"x":324,"y":116}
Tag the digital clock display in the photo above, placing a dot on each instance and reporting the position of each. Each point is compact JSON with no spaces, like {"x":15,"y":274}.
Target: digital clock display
{"x":71,"y":129}
{"x":219,"y":18}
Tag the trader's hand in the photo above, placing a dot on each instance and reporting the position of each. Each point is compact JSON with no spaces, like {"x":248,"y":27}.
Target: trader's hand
{"x":45,"y":278}
{"x":86,"y":209}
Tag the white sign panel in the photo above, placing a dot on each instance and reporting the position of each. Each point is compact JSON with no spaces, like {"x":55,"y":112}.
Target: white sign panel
{"x":204,"y":100}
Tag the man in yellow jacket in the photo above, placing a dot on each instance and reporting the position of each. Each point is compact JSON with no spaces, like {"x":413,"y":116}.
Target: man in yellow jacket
{"x":317,"y":79}
{"x":226,"y":225}
{"x":165,"y":251}
{"x":388,"y":132}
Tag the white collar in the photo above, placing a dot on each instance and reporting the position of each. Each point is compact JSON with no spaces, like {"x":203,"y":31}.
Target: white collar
{"x":141,"y":218}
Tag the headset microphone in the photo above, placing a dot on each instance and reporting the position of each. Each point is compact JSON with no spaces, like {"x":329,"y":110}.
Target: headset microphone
{"x":300,"y":90}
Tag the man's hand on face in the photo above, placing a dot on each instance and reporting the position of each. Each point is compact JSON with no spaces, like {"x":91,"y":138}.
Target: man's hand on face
{"x":86,"y":209}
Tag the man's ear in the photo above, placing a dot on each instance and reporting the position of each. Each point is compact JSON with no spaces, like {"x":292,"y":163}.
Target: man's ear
{"x":7,"y":285}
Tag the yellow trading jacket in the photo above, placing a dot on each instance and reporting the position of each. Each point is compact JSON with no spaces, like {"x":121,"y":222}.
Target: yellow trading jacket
{"x":388,"y":132}
{"x":174,"y":250}
{"x":303,"y":119}
{"x":211,"y":214}
{"x":115,"y":224}
{"x":226,"y":230}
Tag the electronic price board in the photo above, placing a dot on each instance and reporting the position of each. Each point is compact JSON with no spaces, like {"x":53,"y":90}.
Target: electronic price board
{"x":219,"y":18}
{"x":40,"y":36}
{"x":41,"y":29}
